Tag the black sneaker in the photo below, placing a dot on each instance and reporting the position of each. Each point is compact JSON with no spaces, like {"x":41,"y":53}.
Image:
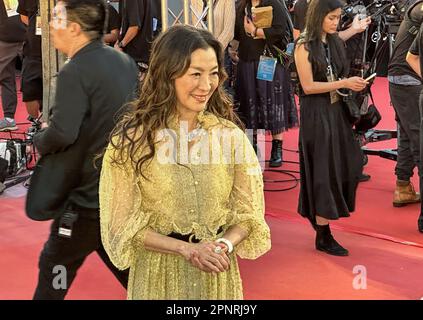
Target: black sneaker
{"x":364,"y":177}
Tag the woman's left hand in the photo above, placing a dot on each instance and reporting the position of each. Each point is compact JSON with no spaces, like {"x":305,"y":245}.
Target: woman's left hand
{"x":249,"y":26}
{"x":206,"y":259}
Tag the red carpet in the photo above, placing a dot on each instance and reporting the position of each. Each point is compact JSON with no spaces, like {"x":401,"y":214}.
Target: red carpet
{"x":375,"y":235}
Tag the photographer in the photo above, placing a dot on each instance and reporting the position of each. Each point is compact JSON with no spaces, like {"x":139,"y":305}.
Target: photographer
{"x":404,"y":87}
{"x":91,"y":88}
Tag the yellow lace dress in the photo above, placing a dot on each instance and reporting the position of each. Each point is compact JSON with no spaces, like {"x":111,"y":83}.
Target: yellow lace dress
{"x":195,"y":196}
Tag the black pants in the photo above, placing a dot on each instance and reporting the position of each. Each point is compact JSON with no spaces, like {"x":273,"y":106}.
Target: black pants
{"x":405,"y":100}
{"x":70,"y":253}
{"x":9,"y":52}
{"x":32,"y":79}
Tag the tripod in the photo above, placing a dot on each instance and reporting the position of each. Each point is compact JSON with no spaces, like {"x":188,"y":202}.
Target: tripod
{"x":384,"y":38}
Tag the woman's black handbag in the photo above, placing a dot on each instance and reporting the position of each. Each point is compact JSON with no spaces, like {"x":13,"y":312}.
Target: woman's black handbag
{"x":361,"y":115}
{"x":369,"y":120}
{"x":352,"y":108}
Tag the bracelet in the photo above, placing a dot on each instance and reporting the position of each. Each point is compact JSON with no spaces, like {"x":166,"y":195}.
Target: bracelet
{"x":227,"y":243}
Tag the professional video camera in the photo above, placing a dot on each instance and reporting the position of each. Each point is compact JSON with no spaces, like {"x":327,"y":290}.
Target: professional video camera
{"x":394,"y":9}
{"x":369,"y":53}
{"x":17,"y":152}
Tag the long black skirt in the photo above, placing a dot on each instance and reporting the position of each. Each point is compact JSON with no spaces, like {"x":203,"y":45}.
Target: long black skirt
{"x":330,"y":160}
{"x":264,"y":104}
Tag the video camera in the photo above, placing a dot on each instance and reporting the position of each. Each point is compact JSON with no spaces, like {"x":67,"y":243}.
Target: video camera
{"x":392,"y":10}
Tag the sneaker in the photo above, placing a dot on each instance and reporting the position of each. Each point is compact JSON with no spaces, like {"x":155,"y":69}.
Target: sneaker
{"x":8,"y":125}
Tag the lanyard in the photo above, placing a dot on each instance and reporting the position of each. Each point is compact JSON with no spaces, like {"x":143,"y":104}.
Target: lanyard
{"x":328,"y":59}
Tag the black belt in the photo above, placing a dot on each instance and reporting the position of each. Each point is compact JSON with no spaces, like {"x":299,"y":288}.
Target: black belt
{"x":189,"y":237}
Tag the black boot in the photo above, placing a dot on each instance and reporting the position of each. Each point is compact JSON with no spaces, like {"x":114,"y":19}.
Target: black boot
{"x":276,"y":154}
{"x":420,"y":223}
{"x":326,"y":243}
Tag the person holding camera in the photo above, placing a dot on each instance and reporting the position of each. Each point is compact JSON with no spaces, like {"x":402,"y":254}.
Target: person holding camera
{"x":405,"y":86}
{"x":330,"y":158}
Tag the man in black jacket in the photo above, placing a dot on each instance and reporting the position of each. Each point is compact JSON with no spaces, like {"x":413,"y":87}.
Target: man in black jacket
{"x":12,"y":35}
{"x":92,"y":87}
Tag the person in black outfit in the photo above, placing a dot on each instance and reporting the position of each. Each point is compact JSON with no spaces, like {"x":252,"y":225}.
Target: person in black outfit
{"x":415,"y":59}
{"x":405,"y":86}
{"x":263,"y":104}
{"x":12,"y":36}
{"x":91,"y":89}
{"x":32,"y":68}
{"x":113,"y":26}
{"x":330,"y":159}
{"x":300,"y":11}
{"x":141,"y":23}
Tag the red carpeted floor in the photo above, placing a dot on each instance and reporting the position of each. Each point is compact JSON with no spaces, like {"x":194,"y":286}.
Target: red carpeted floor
{"x":383,"y":241}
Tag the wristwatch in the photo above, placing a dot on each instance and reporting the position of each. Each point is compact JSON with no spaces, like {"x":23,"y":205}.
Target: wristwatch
{"x":120,"y":45}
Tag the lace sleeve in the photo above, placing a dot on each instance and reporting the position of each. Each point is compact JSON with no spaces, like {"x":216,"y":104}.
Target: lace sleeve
{"x":247,"y":198}
{"x":121,"y":217}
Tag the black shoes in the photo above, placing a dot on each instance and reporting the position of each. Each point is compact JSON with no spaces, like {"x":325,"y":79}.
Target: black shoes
{"x":276,"y":154}
{"x":326,"y":243}
{"x":420,"y":223}
{"x":363,"y":177}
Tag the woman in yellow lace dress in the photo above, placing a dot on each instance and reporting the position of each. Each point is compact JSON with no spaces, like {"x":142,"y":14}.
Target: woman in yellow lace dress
{"x":181,"y":190}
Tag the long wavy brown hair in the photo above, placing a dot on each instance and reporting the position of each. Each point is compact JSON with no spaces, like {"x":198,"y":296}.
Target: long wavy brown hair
{"x":170,"y":59}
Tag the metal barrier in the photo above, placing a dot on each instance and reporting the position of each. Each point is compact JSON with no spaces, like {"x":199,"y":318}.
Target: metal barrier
{"x":192,"y":12}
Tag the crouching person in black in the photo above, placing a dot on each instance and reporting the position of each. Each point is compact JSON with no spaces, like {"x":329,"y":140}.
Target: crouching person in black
{"x":92,"y":87}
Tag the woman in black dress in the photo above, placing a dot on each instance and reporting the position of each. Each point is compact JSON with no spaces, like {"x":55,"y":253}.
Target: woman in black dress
{"x":263,"y":104}
{"x":330,"y":160}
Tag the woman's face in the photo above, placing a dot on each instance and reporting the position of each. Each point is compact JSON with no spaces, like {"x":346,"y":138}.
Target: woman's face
{"x":196,"y":86}
{"x":331,"y":21}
